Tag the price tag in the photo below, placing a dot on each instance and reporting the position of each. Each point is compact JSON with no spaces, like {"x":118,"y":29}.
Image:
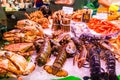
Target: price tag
{"x":67,"y":10}
{"x":101,"y":16}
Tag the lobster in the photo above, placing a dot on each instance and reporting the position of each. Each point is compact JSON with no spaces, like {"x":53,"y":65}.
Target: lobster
{"x":63,"y":39}
{"x":94,"y":62}
{"x":81,"y":56}
{"x":110,"y":65}
{"x":82,"y":44}
{"x":55,"y":69}
{"x":44,"y":53}
{"x":81,"y":52}
{"x":105,"y":49}
{"x":38,"y":44}
{"x":97,"y":46}
{"x":70,"y":48}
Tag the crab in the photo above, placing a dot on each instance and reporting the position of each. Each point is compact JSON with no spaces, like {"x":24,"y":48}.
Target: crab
{"x":27,"y":31}
{"x":24,"y":49}
{"x":14,"y":65}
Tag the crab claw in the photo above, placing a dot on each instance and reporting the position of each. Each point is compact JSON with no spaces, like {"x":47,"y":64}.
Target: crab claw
{"x":18,"y":60}
{"x":15,"y":65}
{"x":30,"y":67}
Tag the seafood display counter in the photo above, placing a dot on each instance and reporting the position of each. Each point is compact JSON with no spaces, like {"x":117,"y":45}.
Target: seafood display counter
{"x":41,"y":74}
{"x":39,"y":50}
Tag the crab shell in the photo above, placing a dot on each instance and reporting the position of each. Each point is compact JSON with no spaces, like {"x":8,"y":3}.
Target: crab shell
{"x":27,"y":31}
{"x":24,"y":49}
{"x":15,"y":64}
{"x":26,"y":34}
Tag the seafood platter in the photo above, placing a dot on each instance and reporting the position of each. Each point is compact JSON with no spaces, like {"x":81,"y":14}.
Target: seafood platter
{"x":46,"y":48}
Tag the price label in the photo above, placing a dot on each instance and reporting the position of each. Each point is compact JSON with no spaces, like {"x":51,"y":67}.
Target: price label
{"x":67,"y":10}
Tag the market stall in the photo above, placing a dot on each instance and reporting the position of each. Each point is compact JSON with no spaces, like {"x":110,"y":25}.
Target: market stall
{"x":75,"y":44}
